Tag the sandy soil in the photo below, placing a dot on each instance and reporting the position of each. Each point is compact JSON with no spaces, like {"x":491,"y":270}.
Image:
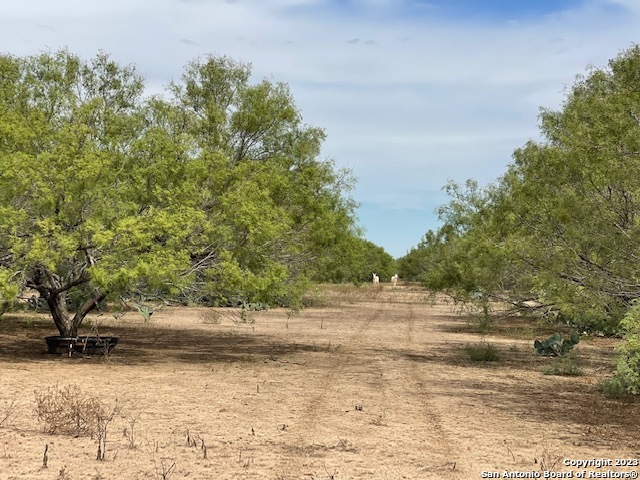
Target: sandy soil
{"x":377,"y":387}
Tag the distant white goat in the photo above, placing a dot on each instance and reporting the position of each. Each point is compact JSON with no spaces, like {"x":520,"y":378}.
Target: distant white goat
{"x":394,"y":280}
{"x":376,"y":279}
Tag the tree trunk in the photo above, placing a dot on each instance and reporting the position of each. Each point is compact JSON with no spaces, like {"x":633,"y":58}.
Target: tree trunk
{"x":54,"y":292}
{"x":84,"y":309}
{"x":66,"y":325}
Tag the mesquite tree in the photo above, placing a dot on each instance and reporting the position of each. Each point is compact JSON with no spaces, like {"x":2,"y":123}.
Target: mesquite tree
{"x":215,"y":188}
{"x":560,"y":230}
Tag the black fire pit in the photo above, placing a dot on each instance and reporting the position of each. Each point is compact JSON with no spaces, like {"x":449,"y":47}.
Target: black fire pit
{"x":83,"y":345}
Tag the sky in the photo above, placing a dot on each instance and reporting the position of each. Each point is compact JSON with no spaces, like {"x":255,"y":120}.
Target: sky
{"x":411,"y":93}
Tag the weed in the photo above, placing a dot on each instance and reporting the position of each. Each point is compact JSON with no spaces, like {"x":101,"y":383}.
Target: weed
{"x":103,"y":418}
{"x":210,"y":317}
{"x":62,"y":475}
{"x":380,"y":420}
{"x":165,"y":469}
{"x":246,"y":316}
{"x":482,"y":352}
{"x":193,"y":440}
{"x":316,"y":299}
{"x":566,"y":365}
{"x":547,"y":459}
{"x":245,"y":462}
{"x":145,"y":311}
{"x":613,"y":388}
{"x":481,"y":324}
{"x":526,"y":333}
{"x":129,"y":432}
{"x":7,"y":412}
{"x":330,"y":476}
{"x":69,"y":411}
{"x":344,"y":445}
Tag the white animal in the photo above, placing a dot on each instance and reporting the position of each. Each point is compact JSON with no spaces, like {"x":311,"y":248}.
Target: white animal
{"x":376,"y":279}
{"x":394,"y":280}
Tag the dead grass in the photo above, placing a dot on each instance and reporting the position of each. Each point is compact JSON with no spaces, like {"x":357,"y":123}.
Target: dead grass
{"x":375,"y":384}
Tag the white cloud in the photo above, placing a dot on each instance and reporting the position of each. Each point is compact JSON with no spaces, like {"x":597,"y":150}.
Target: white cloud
{"x":414,"y":101}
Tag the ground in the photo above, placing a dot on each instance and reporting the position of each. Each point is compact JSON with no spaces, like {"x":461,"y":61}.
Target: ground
{"x":377,"y":383}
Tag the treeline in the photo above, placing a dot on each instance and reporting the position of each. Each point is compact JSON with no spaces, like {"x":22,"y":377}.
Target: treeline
{"x":559,"y":232}
{"x":212,"y":191}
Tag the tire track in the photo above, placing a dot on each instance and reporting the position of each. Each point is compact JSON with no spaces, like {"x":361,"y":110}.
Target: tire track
{"x":336,"y":366}
{"x":443,"y":454}
{"x":317,"y":412}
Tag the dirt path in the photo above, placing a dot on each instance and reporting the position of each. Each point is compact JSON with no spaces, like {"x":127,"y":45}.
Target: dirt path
{"x":443,"y":458}
{"x":377,"y":387}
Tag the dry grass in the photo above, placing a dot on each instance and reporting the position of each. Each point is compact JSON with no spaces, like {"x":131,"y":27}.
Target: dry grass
{"x":375,"y":385}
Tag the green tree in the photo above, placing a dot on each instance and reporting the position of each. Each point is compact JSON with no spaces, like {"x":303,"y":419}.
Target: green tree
{"x":284,"y":212}
{"x":355,"y":262}
{"x":558,"y":231}
{"x":215,"y":190}
{"x":571,"y":202}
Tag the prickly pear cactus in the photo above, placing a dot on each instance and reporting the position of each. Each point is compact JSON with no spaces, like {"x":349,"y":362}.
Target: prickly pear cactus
{"x":254,"y":306}
{"x":556,"y":345}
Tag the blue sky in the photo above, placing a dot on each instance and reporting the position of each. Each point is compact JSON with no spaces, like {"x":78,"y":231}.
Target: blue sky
{"x":411,"y":93}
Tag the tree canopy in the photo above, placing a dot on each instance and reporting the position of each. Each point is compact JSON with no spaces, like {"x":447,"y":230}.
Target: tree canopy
{"x":210,"y":191}
{"x":559,"y":231}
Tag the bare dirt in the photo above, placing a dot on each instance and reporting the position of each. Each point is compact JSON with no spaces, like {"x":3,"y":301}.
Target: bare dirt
{"x":376,"y":385}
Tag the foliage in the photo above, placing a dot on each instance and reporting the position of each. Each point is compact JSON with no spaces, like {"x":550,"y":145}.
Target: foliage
{"x":254,"y":306}
{"x":558,"y":232}
{"x":145,"y":310}
{"x":566,"y":366}
{"x":627,"y":375}
{"x":482,"y":352}
{"x":356,"y":262}
{"x":213,"y":191}
{"x":612,"y":387}
{"x":9,"y":289}
{"x":418,"y":260}
{"x":556,"y":345}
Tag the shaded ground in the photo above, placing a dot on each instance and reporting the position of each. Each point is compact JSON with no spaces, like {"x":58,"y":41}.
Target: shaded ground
{"x":377,"y":384}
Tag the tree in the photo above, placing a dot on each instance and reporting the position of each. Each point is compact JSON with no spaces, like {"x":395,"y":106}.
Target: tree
{"x":284,"y":212}
{"x":216,"y":190}
{"x":355,"y":262}
{"x":571,"y":202}
{"x":558,"y":231}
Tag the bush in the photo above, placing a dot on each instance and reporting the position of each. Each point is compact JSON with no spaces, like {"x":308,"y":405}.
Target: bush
{"x":612,"y":387}
{"x":70,"y":411}
{"x":627,"y":376}
{"x":67,"y":410}
{"x":483,"y":352}
{"x":566,"y":365}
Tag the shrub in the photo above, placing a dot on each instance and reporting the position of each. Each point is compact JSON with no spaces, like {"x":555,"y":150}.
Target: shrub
{"x":67,"y":410}
{"x":566,"y":365}
{"x":70,"y":411}
{"x":483,"y":352}
{"x":627,"y":376}
{"x":612,"y":387}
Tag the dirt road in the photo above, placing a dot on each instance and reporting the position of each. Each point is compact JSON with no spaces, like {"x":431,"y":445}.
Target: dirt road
{"x":376,"y":387}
